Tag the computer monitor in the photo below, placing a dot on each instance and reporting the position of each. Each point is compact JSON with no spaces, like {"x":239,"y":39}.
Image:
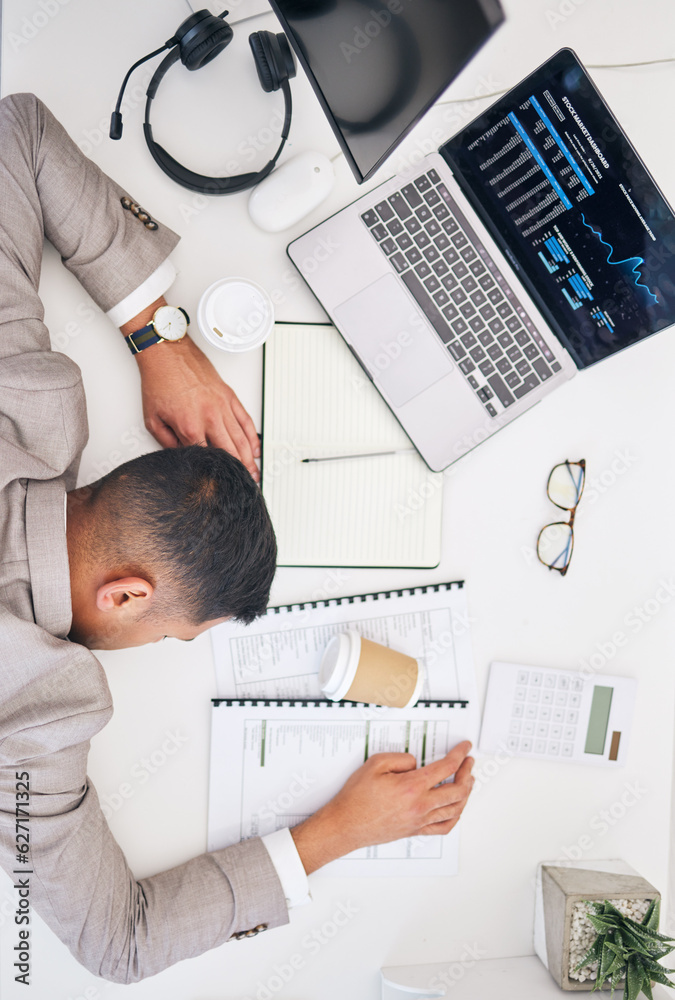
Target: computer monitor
{"x":376,"y":66}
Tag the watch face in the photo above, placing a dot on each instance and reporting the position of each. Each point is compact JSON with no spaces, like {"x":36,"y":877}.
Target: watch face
{"x":170,"y":323}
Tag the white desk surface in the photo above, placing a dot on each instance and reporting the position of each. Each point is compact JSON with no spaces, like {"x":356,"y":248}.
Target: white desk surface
{"x":618,"y":416}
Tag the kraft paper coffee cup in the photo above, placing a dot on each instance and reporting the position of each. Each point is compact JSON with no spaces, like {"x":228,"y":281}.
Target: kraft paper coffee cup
{"x":235,"y":314}
{"x":357,"y":669}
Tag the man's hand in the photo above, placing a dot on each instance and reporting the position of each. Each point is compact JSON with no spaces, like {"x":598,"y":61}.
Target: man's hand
{"x":186,"y":402}
{"x":388,"y":798}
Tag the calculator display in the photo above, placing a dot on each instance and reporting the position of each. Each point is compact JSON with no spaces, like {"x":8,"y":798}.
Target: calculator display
{"x":596,"y":734}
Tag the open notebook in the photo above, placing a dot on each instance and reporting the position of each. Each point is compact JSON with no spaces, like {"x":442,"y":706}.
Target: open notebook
{"x":380,"y":510}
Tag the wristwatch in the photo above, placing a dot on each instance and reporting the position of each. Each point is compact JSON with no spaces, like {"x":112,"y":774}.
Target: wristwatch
{"x":168,"y":323}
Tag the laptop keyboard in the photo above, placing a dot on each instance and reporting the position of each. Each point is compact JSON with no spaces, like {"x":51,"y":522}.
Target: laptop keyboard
{"x":458,"y":287}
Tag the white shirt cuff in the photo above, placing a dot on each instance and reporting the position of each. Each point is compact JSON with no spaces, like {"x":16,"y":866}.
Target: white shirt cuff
{"x":143,"y":296}
{"x":285,"y":858}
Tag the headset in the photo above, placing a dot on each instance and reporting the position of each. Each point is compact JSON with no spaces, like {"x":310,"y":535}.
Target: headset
{"x":198,"y":40}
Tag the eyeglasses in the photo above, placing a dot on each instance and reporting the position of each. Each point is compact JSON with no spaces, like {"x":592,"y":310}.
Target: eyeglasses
{"x":556,"y":541}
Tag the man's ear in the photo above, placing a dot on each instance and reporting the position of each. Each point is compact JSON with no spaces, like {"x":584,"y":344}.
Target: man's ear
{"x":129,"y":594}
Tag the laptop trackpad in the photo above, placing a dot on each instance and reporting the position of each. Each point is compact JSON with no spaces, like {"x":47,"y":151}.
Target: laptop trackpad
{"x":393,"y":340}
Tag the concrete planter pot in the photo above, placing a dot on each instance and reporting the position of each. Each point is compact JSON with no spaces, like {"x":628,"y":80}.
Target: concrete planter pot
{"x":560,"y":889}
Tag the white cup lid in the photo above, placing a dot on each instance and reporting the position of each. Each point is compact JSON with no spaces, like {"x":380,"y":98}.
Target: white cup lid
{"x":338,"y":664}
{"x":235,"y":314}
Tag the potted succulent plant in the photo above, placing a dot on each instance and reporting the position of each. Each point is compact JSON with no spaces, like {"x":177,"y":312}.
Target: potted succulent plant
{"x":596,"y":929}
{"x":625,"y":950}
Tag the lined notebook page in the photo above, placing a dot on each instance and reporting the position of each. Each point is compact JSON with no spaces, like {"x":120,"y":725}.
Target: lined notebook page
{"x":382,"y":511}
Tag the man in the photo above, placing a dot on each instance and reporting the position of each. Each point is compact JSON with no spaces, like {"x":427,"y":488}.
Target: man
{"x":168,"y":544}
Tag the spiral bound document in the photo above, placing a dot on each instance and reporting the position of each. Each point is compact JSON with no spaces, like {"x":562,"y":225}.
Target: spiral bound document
{"x":274,"y":763}
{"x":381,"y":506}
{"x":278,"y":655}
{"x":279,"y":751}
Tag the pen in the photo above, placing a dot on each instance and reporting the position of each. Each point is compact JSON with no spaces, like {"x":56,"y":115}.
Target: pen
{"x":367,"y":454}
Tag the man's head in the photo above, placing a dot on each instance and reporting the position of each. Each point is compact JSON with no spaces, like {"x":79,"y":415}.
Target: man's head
{"x":167,"y":544}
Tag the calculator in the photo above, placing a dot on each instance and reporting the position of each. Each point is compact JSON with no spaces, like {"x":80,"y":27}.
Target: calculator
{"x":557,"y":714}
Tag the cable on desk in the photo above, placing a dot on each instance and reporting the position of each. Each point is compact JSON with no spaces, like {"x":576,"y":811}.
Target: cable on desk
{"x":498,"y":93}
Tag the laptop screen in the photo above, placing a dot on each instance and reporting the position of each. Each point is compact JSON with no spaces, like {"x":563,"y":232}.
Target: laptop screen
{"x":557,"y":182}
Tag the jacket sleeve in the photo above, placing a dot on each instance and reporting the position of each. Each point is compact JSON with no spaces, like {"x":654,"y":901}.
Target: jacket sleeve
{"x":120,"y":928}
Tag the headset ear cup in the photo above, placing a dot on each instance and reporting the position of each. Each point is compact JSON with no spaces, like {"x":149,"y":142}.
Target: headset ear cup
{"x":286,"y":57}
{"x":201,"y":38}
{"x":201,"y":53}
{"x":273,"y":59}
{"x":263,"y":62}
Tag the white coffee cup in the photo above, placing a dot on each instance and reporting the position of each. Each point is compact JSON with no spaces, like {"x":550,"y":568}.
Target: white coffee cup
{"x":358,"y":669}
{"x":235,"y":314}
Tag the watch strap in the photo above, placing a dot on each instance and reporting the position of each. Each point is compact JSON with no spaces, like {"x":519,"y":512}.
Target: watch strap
{"x":147,"y":335}
{"x":140,"y":339}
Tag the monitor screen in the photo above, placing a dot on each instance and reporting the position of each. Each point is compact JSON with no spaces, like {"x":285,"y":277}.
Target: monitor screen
{"x":378,"y":65}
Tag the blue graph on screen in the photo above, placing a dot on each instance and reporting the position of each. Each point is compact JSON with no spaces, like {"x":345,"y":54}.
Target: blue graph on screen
{"x":633,"y":263}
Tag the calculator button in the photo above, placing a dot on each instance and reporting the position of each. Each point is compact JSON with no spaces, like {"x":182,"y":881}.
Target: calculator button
{"x":542,"y":730}
{"x":560,"y":698}
{"x":528,"y":729}
{"x":577,"y":684}
{"x":547,"y":697}
{"x":526,"y":746}
{"x":523,"y":676}
{"x":545,"y":714}
{"x":533,"y":694}
{"x":517,"y":711}
{"x":520,"y":693}
{"x":512,"y":744}
{"x":530,"y":711}
{"x":558,"y":715}
{"x":569,"y":732}
{"x":574,"y":700}
{"x":572,"y":718}
{"x":536,"y":679}
{"x":540,"y":746}
{"x":563,"y":682}
{"x":553,"y":748}
{"x":549,"y":680}
{"x":515,"y":727}
{"x":568,"y":750}
{"x":556,"y":732}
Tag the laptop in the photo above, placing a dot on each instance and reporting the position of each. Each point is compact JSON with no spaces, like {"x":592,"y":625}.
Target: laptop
{"x":532,"y":245}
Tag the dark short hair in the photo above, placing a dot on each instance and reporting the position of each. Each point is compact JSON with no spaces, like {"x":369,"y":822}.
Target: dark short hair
{"x":195,"y":516}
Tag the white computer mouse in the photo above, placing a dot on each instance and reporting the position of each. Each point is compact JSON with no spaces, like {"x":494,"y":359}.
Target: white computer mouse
{"x":291,"y":191}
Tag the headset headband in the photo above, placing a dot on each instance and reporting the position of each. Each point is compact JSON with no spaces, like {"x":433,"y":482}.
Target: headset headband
{"x":199,"y":182}
{"x":205,"y":36}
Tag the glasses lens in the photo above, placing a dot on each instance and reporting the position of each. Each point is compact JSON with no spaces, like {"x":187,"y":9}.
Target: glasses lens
{"x":554,"y":546}
{"x":566,"y":484}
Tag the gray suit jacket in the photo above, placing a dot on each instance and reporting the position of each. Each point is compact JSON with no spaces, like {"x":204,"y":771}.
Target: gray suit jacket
{"x":53,"y":693}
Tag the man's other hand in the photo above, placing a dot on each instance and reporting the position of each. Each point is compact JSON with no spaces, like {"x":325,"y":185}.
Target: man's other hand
{"x":185,"y":401}
{"x":388,"y":798}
